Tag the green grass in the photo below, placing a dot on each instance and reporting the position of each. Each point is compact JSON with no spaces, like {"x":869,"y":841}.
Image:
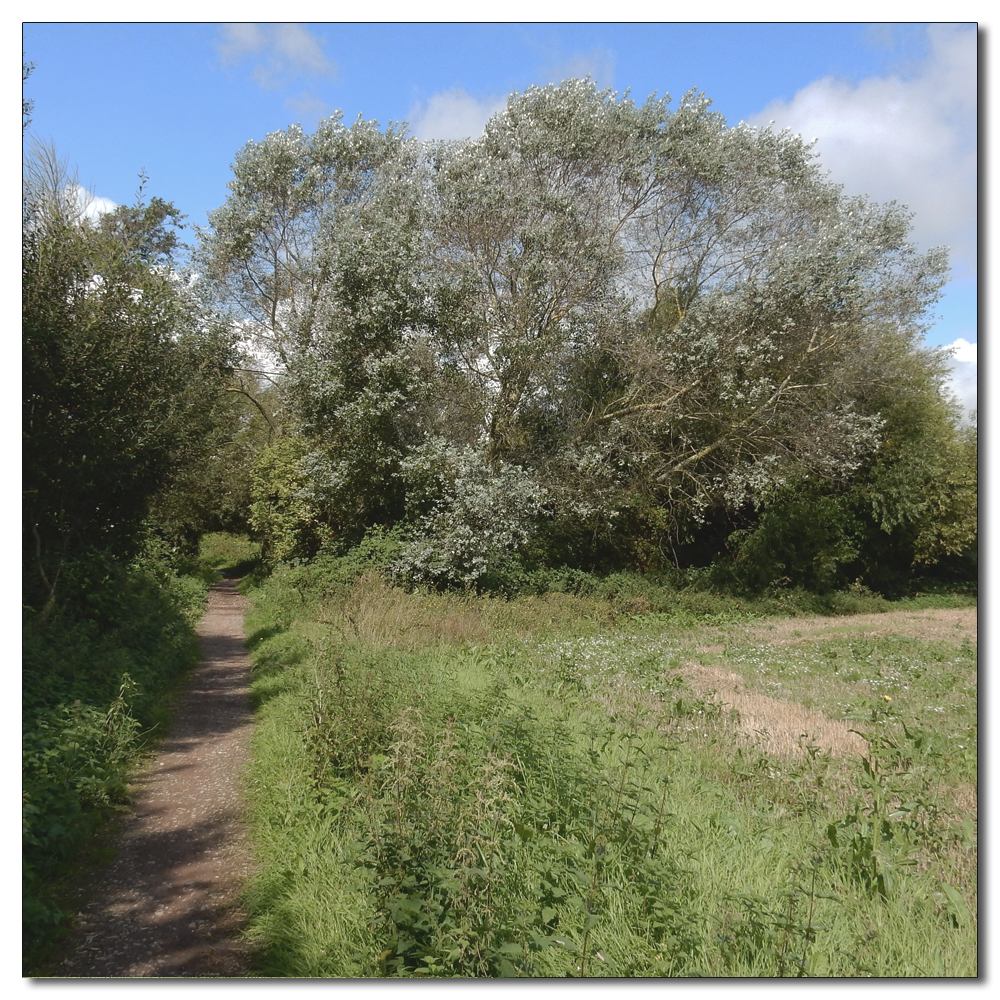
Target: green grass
{"x":447,"y":785}
{"x":98,"y":677}
{"x":924,"y":685}
{"x":222,"y":551}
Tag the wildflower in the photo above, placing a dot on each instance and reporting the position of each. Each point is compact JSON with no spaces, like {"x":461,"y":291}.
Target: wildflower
{"x":885,"y":697}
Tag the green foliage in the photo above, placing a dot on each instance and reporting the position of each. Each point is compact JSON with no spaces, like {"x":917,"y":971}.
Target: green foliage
{"x":317,"y":250}
{"x":287,"y":520}
{"x":121,"y":372}
{"x":603,"y":335}
{"x":212,"y":494}
{"x":122,"y":376}
{"x":467,"y":515}
{"x":920,"y":496}
{"x":897,"y":815}
{"x":549,"y":799}
{"x":95,"y":682}
{"x":225,"y":552}
{"x":803,"y":539}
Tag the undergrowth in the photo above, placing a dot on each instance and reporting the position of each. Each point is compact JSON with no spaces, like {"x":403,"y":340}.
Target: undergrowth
{"x":98,"y":677}
{"x":453,"y":785}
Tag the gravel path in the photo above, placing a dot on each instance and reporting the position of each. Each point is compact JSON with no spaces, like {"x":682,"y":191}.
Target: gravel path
{"x":167,"y":905}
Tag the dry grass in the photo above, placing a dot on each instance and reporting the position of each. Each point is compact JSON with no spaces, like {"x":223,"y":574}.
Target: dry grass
{"x":956,"y":625}
{"x":375,"y":611}
{"x":552,"y":612}
{"x":777,"y":725}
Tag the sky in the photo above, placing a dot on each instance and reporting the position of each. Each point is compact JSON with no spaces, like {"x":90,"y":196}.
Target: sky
{"x":893,"y":106}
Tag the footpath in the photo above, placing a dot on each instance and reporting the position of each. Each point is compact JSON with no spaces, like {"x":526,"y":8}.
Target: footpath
{"x":167,"y":906}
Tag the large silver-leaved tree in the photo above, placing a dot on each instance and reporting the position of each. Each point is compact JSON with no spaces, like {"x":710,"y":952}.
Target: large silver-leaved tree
{"x":316,"y":253}
{"x":632,"y":305}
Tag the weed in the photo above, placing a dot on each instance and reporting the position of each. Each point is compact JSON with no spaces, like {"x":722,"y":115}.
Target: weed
{"x":538,"y":793}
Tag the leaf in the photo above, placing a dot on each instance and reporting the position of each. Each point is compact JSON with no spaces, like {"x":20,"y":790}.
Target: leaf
{"x":968,"y":833}
{"x":507,"y":969}
{"x":956,"y":905}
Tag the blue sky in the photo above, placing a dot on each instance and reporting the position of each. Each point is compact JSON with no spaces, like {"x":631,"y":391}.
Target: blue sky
{"x":893,"y":106}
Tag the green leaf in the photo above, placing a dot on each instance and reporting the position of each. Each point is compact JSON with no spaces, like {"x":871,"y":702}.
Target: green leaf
{"x":956,"y":905}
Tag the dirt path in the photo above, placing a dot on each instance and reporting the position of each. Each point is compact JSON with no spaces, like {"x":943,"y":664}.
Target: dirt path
{"x":167,"y":905}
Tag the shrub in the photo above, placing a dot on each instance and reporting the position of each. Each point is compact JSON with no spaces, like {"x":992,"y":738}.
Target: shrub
{"x":465,"y":514}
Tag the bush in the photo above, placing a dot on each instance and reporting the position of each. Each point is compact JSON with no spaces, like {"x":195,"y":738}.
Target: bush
{"x":466,"y":516}
{"x":801,"y":542}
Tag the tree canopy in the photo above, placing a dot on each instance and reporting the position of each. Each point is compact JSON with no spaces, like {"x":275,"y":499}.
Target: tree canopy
{"x":597,"y":314}
{"x":122,"y":371}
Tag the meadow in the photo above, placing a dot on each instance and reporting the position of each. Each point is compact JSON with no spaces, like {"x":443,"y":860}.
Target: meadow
{"x":617,"y":782}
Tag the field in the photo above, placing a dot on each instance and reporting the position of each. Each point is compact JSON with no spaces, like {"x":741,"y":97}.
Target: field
{"x":563,"y":785}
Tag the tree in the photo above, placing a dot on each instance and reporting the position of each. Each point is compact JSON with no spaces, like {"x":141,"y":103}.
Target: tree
{"x":657,"y":321}
{"x":652,"y":308}
{"x":317,"y":252}
{"x":27,"y":104}
{"x":469,"y":513}
{"x":528,"y":228}
{"x":275,"y":244}
{"x":917,"y":497}
{"x":121,"y":370}
{"x":213,"y":491}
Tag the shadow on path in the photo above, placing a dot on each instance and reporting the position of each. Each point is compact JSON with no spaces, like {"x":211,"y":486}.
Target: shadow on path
{"x":167,"y":906}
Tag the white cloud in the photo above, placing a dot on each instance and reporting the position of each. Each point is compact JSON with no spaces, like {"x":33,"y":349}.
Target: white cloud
{"x":598,"y":64}
{"x":964,"y":382}
{"x":301,"y":49}
{"x":100,"y":206}
{"x":279,"y":52}
{"x":908,"y":137}
{"x":453,"y":114}
{"x":307,"y":105}
{"x":238,"y":41}
{"x":89,"y":205}
{"x":962,"y":350}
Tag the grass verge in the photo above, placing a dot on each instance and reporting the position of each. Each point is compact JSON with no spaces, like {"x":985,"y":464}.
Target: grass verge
{"x":460,"y":786}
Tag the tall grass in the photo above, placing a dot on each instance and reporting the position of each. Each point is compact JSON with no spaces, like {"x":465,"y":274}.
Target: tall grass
{"x":452,"y":786}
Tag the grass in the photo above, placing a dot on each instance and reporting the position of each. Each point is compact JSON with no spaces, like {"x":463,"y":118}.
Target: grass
{"x":449,"y":785}
{"x":222,"y":551}
{"x":98,"y":678}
